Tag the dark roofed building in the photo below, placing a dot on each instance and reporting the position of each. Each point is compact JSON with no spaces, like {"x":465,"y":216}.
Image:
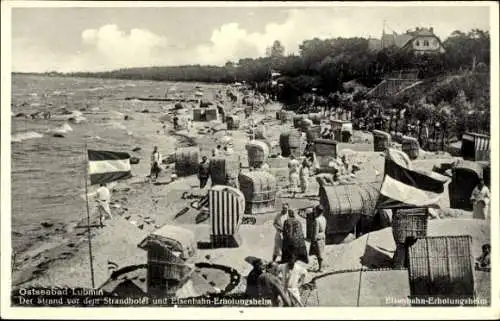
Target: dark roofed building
{"x":419,"y":41}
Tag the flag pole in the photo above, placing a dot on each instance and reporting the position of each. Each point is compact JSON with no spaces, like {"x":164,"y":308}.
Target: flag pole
{"x":88,"y":218}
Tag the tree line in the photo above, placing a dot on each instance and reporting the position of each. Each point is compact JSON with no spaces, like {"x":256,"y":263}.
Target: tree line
{"x":325,"y":66}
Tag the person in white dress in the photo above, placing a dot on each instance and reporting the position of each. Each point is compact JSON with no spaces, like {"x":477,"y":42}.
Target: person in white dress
{"x":293,"y":275}
{"x":293,"y":171}
{"x":103,"y":197}
{"x":480,"y":199}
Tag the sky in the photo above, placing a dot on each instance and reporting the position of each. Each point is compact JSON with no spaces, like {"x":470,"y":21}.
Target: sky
{"x":97,"y":39}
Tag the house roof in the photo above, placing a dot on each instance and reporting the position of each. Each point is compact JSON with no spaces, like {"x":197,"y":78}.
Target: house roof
{"x":422,"y":34}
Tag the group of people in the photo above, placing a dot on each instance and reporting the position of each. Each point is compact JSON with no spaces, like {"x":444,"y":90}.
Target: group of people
{"x":283,"y":278}
{"x":299,"y":173}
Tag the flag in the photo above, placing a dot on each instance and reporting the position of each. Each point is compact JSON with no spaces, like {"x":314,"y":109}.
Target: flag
{"x":404,"y":186}
{"x":105,"y":166}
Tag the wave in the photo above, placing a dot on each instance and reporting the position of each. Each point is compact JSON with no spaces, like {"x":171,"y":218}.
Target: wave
{"x":75,"y":116}
{"x":92,"y":89}
{"x":116,"y":125}
{"x":19,"y":137}
{"x":61,"y":129}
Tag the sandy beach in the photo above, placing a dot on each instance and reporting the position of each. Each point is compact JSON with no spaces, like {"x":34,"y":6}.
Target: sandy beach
{"x":140,"y":206}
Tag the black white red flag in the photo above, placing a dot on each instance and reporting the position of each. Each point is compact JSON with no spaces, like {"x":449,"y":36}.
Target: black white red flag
{"x":404,"y":186}
{"x":106,"y":166}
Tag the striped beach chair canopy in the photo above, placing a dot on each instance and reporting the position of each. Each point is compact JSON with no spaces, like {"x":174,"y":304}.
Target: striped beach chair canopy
{"x":475,"y":146}
{"x":226,"y":206}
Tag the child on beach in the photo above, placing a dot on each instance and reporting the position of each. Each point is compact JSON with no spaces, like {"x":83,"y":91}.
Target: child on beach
{"x":483,"y":262}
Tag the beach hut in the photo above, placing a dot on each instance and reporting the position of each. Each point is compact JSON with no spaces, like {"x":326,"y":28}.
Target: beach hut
{"x":224,"y":168}
{"x":410,"y":146}
{"x":325,"y":151}
{"x":381,"y":140}
{"x":259,"y":188}
{"x":290,"y":143}
{"x":346,"y":205}
{"x":342,"y":130}
{"x":186,"y":161}
{"x":211,"y":114}
{"x":199,"y":114}
{"x":226,"y":206}
{"x":407,"y":223}
{"x":313,"y":133}
{"x":233,"y":122}
{"x":169,"y":249}
{"x":465,"y":176}
{"x":441,"y":266}
{"x":475,"y":147}
{"x":258,"y":151}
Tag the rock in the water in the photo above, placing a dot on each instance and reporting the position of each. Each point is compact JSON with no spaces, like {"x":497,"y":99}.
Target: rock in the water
{"x":145,"y":111}
{"x":136,"y":149}
{"x":58,"y":135}
{"x":46,"y":224}
{"x":134,"y":160}
{"x":20,"y":115}
{"x":125,"y":117}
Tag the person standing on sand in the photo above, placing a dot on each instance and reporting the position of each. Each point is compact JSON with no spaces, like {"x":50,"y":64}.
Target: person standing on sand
{"x":293,"y":276}
{"x":305,"y":171}
{"x":480,"y":199}
{"x":278,"y":225}
{"x":155,"y":164}
{"x":294,"y":243}
{"x":176,"y":122}
{"x":204,"y":171}
{"x":102,"y":198}
{"x":293,"y":174}
{"x":318,"y":238}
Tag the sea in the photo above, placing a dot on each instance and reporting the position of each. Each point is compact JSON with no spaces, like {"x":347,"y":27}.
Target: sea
{"x":48,"y":172}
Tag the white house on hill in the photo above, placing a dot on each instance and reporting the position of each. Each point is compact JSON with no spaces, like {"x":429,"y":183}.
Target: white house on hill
{"x":420,"y":41}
